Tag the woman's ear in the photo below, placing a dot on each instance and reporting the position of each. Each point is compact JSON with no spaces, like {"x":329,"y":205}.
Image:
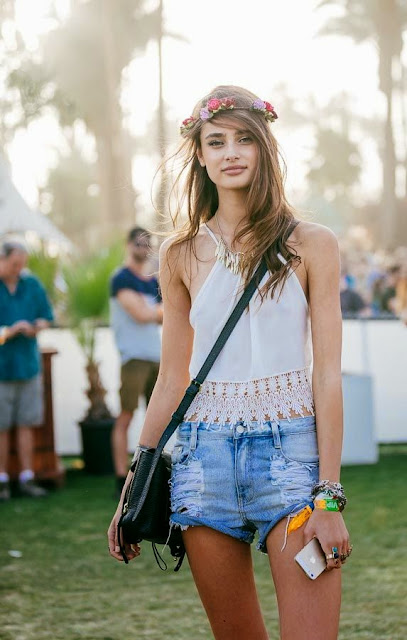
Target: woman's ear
{"x":200,"y":157}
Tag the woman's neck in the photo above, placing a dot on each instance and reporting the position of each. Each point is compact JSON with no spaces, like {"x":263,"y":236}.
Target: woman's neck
{"x":232,"y":211}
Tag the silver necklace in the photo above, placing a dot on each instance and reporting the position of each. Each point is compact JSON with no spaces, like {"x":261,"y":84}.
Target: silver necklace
{"x":230,"y":259}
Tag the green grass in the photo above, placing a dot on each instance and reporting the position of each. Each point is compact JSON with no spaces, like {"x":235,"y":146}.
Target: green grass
{"x":66,"y":587}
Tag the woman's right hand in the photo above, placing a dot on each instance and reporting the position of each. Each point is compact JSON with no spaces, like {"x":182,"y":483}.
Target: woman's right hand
{"x":132,"y":550}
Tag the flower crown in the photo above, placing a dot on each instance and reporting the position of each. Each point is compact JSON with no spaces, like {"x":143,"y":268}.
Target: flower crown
{"x":214,"y":105}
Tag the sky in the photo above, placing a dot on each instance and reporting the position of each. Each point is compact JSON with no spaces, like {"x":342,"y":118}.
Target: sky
{"x":258,"y":45}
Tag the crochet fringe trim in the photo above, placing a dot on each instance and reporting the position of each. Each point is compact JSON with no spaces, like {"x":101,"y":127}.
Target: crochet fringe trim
{"x":253,"y":401}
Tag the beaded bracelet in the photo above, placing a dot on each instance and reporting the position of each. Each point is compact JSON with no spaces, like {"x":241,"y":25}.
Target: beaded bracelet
{"x":325,"y":489}
{"x":327,"y":484}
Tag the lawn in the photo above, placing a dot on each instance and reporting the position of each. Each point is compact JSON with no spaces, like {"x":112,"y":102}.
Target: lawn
{"x":66,"y":587}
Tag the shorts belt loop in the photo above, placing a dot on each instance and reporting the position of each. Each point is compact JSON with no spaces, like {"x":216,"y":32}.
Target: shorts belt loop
{"x":194,"y":436}
{"x":276,"y":434}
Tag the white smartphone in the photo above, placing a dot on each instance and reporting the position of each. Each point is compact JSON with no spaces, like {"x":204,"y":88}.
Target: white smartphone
{"x":311,"y":559}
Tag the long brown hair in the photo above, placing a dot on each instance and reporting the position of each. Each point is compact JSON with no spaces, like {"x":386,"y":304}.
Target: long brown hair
{"x":270,"y":219}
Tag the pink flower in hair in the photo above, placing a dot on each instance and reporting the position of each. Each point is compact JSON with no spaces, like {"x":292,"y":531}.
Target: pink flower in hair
{"x":228,"y":103}
{"x":187,"y":124}
{"x":188,"y":121}
{"x":214,"y":104}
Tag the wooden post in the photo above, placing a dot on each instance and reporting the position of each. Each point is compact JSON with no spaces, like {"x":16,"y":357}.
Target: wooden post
{"x":47,"y":466}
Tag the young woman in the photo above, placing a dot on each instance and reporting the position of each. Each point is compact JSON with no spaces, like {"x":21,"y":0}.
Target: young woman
{"x":260,"y":447}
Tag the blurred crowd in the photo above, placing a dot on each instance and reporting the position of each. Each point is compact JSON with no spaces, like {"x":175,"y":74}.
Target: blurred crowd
{"x":374,"y":284}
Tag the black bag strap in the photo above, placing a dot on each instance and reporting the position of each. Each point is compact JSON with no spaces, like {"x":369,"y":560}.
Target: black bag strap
{"x":192,"y":390}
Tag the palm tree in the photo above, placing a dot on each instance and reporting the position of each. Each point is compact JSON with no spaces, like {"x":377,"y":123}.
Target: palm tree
{"x":161,"y":129}
{"x":86,"y":57}
{"x":87,"y":306}
{"x":80,"y":75}
{"x":380,"y":21}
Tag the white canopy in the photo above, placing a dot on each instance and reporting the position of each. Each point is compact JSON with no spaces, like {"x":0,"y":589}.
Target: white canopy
{"x":17,"y":217}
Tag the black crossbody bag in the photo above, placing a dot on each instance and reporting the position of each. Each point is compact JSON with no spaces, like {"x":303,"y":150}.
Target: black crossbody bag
{"x":146,"y":505}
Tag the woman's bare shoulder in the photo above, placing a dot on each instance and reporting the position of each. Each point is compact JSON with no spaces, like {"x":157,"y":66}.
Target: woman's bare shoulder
{"x":180,"y":244}
{"x":316,"y":241}
{"x":200,"y":245}
{"x":182,"y":255}
{"x":173,"y":247}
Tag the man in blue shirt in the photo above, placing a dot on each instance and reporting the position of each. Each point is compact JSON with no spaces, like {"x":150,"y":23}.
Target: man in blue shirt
{"x":24,"y":311}
{"x":136,"y":313}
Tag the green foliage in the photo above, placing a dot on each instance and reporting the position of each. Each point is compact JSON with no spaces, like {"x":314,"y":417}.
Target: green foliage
{"x":66,"y":573}
{"x":85,"y":332}
{"x":87,"y":282}
{"x":87,"y":304}
{"x":45,"y":267}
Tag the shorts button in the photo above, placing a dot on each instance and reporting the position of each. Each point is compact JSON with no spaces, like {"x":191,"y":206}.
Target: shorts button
{"x":240,"y":428}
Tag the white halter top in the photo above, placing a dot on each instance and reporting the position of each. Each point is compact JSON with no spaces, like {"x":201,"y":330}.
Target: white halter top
{"x":263,"y":371}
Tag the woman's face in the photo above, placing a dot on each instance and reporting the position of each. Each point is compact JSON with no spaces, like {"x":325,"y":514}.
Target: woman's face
{"x":230,"y":155}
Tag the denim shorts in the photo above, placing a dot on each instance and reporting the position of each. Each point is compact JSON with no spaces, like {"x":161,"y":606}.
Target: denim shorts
{"x":242,"y":478}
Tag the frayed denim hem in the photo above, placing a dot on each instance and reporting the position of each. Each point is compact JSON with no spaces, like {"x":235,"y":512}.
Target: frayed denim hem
{"x":288,"y":511}
{"x":184,"y":522}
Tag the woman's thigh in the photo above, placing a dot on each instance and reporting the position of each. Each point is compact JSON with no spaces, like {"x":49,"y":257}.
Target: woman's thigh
{"x":307,"y":608}
{"x":223,"y":573}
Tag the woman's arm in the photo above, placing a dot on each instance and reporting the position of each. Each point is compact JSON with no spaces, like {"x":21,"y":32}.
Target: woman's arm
{"x":173,"y":375}
{"x":322,"y":262}
{"x":176,"y":349}
{"x":323,"y":269}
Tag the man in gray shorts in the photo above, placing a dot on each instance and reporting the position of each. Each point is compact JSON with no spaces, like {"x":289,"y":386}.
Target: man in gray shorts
{"x":24,"y":311}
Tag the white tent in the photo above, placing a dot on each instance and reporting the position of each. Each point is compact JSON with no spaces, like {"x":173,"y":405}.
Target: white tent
{"x":17,"y":217}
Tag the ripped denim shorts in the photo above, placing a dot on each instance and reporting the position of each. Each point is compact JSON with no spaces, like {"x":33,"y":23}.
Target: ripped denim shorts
{"x":242,"y":478}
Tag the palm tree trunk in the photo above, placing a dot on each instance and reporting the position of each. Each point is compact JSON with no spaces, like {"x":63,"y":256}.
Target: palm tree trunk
{"x":389,"y":202}
{"x":389,"y":35}
{"x":116,"y":189}
{"x":113,"y":153}
{"x":403,"y":111}
{"x":162,"y":192}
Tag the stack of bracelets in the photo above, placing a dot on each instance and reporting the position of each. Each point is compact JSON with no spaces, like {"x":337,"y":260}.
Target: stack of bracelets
{"x":329,"y":496}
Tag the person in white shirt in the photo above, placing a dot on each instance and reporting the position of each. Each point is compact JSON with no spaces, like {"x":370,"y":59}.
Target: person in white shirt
{"x":260,"y":447}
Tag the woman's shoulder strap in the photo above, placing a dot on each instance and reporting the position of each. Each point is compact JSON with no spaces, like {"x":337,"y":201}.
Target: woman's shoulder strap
{"x":292,"y":226}
{"x":210,"y":232}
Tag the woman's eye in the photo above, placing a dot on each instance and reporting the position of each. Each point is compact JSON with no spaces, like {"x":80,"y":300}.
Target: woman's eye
{"x":215,"y":143}
{"x":246,"y":139}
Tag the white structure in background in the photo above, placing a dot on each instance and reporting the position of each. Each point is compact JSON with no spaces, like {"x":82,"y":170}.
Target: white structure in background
{"x":359,"y":443}
{"x":375,"y":404}
{"x":16,"y":217}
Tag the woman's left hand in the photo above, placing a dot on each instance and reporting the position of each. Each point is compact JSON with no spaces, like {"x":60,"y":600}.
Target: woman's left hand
{"x":330,"y":530}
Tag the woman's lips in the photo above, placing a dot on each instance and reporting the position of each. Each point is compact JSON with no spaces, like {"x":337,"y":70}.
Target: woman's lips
{"x":234,"y":170}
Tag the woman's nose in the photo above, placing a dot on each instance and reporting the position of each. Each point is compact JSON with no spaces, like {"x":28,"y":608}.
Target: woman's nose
{"x":231,"y":153}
